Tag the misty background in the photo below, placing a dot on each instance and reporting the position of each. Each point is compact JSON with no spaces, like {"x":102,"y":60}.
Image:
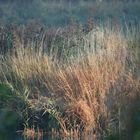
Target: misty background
{"x":62,"y":12}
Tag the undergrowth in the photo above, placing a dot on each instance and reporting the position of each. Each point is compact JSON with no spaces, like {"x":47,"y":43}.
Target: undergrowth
{"x":83,"y":84}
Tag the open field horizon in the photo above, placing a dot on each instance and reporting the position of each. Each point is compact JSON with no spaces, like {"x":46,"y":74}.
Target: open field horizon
{"x":58,"y":13}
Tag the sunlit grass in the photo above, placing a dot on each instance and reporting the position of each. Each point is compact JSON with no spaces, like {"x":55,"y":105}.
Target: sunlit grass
{"x":93,"y":90}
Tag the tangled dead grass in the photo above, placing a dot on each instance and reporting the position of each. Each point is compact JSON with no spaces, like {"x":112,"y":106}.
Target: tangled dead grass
{"x":87,"y":89}
{"x":82,"y":111}
{"x":31,"y":133}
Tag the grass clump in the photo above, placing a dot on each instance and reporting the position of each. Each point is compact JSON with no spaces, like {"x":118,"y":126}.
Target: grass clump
{"x":90,"y":91}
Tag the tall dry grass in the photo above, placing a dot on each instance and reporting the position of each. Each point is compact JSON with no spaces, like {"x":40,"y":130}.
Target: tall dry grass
{"x":94,"y":89}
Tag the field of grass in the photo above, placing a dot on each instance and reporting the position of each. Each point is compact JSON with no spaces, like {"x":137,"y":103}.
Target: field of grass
{"x":78,"y":81}
{"x":67,"y":82}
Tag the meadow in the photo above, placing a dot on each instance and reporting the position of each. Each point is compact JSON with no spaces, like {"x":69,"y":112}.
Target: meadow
{"x":80,"y":81}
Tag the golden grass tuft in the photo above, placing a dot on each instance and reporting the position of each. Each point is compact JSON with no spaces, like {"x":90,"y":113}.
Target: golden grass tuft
{"x":31,"y":133}
{"x":87,"y":88}
{"x":83,"y":112}
{"x":28,"y":64}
